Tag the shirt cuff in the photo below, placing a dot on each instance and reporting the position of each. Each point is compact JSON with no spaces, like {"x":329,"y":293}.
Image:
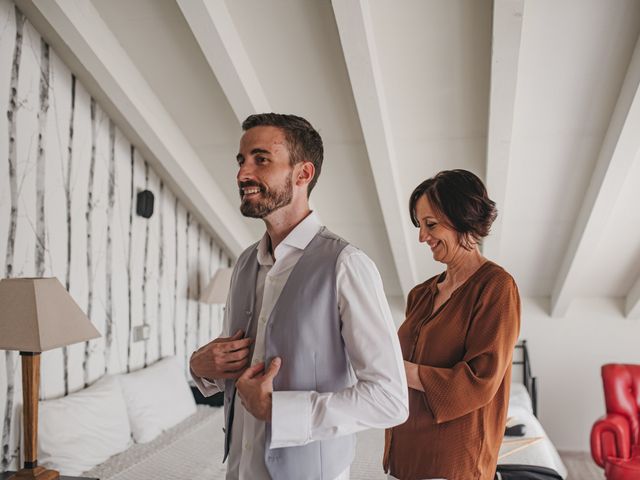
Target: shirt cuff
{"x":206,"y":386}
{"x":290,"y":419}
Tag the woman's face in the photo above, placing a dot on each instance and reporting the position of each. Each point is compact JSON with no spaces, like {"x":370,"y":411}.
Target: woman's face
{"x":436,"y":232}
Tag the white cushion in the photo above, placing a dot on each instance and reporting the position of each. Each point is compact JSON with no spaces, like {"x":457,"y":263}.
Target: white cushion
{"x":83,"y":429}
{"x":157,"y":397}
{"x":519,"y":397}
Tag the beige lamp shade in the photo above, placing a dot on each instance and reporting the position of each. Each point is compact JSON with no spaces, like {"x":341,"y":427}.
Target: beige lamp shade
{"x":38,"y":314}
{"x":218,"y":288}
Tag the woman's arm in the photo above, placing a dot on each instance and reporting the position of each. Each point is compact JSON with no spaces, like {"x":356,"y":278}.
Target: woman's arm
{"x":473,"y":382}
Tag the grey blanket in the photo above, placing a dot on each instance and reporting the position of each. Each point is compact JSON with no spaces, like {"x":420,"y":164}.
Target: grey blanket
{"x":190,"y":450}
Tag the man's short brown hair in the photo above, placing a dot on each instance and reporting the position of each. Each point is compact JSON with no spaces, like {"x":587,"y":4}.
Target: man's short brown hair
{"x":304,"y":142}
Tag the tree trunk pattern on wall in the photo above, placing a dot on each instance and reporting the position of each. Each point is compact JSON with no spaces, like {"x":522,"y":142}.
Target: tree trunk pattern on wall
{"x":89,"y":218}
{"x":198,"y":303}
{"x":175,"y":282}
{"x":159,"y":322}
{"x":111,"y":200}
{"x":209,"y":277}
{"x":186,"y":316}
{"x":220,"y":310}
{"x":12,"y":114}
{"x":96,"y":175}
{"x":129,"y":252}
{"x":67,"y":196}
{"x":145,"y":270}
{"x":41,"y":234}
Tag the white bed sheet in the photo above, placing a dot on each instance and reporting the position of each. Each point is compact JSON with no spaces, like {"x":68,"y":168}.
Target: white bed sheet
{"x":519,"y":397}
{"x":543,"y":453}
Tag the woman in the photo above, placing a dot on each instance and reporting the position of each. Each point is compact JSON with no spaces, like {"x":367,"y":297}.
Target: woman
{"x":457,"y":340}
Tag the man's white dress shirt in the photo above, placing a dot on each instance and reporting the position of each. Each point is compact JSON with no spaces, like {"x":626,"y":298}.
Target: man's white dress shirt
{"x":379,"y":395}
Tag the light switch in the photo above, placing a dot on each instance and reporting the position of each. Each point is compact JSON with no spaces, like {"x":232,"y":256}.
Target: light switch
{"x":141,"y":332}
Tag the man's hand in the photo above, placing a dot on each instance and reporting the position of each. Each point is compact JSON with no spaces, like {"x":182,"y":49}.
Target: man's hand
{"x":255,"y":387}
{"x":224,"y":357}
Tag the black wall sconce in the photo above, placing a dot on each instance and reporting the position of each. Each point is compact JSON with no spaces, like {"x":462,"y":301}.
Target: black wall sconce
{"x":144,"y":204}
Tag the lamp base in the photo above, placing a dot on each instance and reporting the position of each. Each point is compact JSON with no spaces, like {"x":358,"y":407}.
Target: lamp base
{"x":38,"y":473}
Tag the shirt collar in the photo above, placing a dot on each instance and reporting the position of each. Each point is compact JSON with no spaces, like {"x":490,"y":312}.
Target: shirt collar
{"x":298,"y":238}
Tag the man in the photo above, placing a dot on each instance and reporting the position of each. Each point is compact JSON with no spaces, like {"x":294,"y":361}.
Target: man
{"x":313,"y":356}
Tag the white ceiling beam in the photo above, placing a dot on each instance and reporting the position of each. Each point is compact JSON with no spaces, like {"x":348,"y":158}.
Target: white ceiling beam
{"x":84,"y":33}
{"x":354,"y":22}
{"x":221,"y":45}
{"x":219,"y":40}
{"x":617,"y":156}
{"x":505,"y":53}
{"x":632,"y":302}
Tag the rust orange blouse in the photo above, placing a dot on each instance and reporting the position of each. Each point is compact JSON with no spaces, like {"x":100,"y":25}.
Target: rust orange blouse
{"x":464,"y":351}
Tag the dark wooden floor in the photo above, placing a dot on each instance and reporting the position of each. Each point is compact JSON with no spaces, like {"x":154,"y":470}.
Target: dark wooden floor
{"x":581,"y":466}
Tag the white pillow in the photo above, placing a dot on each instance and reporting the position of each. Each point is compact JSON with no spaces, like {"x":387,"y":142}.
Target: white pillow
{"x":83,"y":429}
{"x":158,"y":397}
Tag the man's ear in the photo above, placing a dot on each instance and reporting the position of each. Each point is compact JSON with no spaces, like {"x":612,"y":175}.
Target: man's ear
{"x":305,"y":173}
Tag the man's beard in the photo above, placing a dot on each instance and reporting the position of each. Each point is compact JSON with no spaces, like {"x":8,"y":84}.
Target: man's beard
{"x":268,"y":201}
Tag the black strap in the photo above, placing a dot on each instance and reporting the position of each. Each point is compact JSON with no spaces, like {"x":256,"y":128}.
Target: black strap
{"x":526,"y":472}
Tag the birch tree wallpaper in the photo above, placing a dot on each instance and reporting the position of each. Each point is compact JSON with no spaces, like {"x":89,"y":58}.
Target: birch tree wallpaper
{"x":68,"y":185}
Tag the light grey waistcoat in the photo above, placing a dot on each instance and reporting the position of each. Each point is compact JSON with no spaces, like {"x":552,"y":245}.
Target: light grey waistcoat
{"x":304,"y":330}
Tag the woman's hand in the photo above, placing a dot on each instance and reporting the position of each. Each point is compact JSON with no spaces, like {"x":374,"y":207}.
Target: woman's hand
{"x":413,"y":379}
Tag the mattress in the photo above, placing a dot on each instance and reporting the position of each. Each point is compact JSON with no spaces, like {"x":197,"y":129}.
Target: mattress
{"x":193,"y":450}
{"x":542,"y":453}
{"x":519,"y":397}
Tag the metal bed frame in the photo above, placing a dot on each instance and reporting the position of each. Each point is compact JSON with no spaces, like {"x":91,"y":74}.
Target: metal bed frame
{"x":530,"y":382}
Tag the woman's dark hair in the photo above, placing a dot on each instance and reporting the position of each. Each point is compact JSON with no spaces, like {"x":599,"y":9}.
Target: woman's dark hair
{"x":461,"y":199}
{"x":304,"y":142}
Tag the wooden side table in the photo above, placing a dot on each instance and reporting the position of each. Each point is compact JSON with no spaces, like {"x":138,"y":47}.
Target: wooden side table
{"x":6,"y":475}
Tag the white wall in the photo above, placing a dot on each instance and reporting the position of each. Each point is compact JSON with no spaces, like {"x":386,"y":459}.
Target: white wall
{"x":397,"y":305}
{"x":155,"y":267}
{"x":566,"y":355}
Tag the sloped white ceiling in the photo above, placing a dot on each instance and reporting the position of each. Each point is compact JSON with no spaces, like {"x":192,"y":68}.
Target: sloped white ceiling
{"x":435,"y":58}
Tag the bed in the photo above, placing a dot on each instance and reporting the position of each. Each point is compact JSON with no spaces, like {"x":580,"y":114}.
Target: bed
{"x":193,"y":448}
{"x":535,"y":448}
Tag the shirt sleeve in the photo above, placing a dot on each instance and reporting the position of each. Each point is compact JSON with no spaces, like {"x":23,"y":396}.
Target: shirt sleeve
{"x":379,"y":397}
{"x":212,"y":386}
{"x":473,"y":382}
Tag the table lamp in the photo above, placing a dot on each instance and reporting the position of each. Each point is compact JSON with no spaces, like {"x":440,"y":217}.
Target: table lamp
{"x":218,"y":288}
{"x":37,"y":314}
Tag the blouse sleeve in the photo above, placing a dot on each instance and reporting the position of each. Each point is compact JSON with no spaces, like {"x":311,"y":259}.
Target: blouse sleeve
{"x":453,"y":392}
